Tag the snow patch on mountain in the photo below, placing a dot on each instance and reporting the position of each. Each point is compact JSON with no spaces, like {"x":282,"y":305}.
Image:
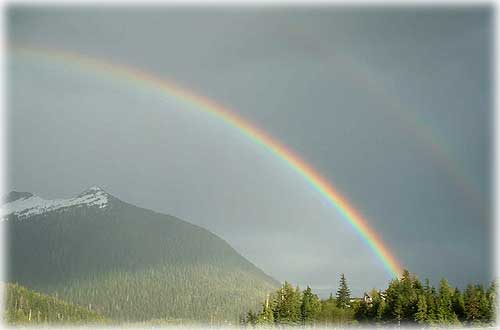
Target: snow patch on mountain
{"x":28,"y":205}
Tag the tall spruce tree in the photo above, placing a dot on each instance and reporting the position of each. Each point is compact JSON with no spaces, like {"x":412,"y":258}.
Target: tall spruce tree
{"x":362,"y":312}
{"x":445,"y":313}
{"x":409,"y":287}
{"x":421,"y":314}
{"x":288,"y":303}
{"x":378,"y":305}
{"x":398,"y":310}
{"x":492,"y":299}
{"x":431,"y":299}
{"x":394,"y":310}
{"x":472,"y":302}
{"x":484,"y":305}
{"x":343,"y":293}
{"x":458,"y":304}
{"x":266,"y":316}
{"x":310,"y":307}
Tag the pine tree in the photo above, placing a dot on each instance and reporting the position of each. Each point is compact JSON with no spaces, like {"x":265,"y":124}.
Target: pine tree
{"x":362,"y":313}
{"x":394,"y":310}
{"x":431,"y":300}
{"x":310,"y":307}
{"x":421,"y":314}
{"x":492,"y":299}
{"x":445,"y":313}
{"x":266,"y":316}
{"x":398,"y":310}
{"x":472,"y":304}
{"x":378,"y":305}
{"x":343,"y":293}
{"x":484,"y":305}
{"x":458,"y":304}
{"x":288,"y":303}
{"x":408,"y":286}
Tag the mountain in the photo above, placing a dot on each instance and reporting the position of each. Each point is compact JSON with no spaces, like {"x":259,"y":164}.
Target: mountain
{"x":24,"y":306}
{"x":129,"y":263}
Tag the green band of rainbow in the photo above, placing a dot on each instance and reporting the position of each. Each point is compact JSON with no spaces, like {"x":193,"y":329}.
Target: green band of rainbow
{"x":312,"y":177}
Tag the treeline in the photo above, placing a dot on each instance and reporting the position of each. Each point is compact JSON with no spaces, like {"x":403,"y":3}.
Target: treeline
{"x":201,"y":293}
{"x":406,"y":301}
{"x":24,"y":306}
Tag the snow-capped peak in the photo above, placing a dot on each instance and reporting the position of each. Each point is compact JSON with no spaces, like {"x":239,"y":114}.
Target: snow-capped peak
{"x":94,"y":190}
{"x":24,"y":205}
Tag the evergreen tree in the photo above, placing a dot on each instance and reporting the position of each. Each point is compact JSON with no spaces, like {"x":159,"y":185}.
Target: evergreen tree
{"x":362,"y":312}
{"x":472,"y":304}
{"x":421,"y":314}
{"x":380,"y":308}
{"x":343,"y":293}
{"x":398,"y":310}
{"x":409,"y":288}
{"x":288,"y":303}
{"x":394,"y":310}
{"x":492,"y":299}
{"x":458,"y":304}
{"x":310,"y":307}
{"x":266,"y":316}
{"x":484,"y":305}
{"x":445,"y":313}
{"x":432,"y":308}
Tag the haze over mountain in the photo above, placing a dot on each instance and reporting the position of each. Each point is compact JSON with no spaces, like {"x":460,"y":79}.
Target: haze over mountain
{"x":129,"y":263}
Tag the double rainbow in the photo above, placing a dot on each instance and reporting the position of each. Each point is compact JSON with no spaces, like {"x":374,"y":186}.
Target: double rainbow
{"x":310,"y":175}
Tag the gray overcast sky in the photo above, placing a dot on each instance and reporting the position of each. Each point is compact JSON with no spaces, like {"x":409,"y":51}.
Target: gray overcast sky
{"x":393,"y":106}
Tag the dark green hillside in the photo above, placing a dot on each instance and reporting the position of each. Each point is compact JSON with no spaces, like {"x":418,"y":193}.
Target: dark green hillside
{"x":133,"y":264}
{"x":24,"y":306}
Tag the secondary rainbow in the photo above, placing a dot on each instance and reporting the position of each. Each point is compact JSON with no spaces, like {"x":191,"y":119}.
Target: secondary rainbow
{"x":312,"y":177}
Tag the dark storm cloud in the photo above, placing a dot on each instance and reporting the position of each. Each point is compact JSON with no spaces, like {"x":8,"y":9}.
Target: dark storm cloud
{"x":393,"y":106}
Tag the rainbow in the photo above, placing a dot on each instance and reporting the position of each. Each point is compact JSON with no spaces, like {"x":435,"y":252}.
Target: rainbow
{"x":421,"y":128}
{"x":259,"y":137}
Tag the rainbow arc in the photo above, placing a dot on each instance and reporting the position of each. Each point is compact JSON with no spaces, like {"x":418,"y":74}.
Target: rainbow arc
{"x":245,"y":127}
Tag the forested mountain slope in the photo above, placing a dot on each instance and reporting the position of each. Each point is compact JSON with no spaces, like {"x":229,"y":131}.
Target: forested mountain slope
{"x":130,"y":263}
{"x":24,"y":306}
